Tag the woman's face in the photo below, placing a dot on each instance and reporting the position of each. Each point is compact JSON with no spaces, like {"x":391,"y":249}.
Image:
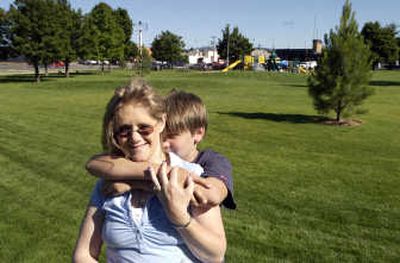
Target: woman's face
{"x":137,"y":132}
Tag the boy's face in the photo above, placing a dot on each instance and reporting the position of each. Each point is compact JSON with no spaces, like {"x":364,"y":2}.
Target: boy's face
{"x":184,"y":144}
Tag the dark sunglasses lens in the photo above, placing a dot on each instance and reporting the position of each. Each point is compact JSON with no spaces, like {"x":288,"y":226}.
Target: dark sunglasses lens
{"x":145,"y":131}
{"x":123,"y":131}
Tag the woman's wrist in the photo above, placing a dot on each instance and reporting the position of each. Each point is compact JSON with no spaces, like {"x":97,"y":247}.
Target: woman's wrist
{"x":183,"y":224}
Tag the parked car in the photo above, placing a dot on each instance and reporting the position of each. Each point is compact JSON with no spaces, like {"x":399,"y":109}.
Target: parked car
{"x":198,"y":66}
{"x":159,"y":65}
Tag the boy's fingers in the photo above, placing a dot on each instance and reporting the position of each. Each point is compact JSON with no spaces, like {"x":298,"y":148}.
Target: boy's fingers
{"x":189,"y":185}
{"x":201,"y":181}
{"x":173,"y":176}
{"x":154,"y":179}
{"x":193,"y":202}
{"x":162,"y":175}
{"x":201,"y":199}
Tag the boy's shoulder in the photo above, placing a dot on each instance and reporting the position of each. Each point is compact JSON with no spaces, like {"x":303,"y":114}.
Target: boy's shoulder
{"x":214,"y":163}
{"x":209,"y":155}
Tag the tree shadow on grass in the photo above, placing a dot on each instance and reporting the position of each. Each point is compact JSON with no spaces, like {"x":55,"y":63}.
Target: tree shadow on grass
{"x":30,"y":78}
{"x":383,"y":83}
{"x":278,"y":117}
{"x":297,"y":85}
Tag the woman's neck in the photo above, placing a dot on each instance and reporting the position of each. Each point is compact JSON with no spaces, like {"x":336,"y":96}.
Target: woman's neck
{"x":158,"y":156}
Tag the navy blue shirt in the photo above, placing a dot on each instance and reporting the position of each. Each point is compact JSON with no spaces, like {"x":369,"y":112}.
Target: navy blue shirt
{"x":216,"y":165}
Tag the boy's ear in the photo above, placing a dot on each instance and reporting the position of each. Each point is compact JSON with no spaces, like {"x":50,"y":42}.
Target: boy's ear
{"x":198,"y":135}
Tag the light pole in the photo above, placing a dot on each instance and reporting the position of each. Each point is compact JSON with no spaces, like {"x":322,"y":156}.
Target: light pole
{"x":214,"y":47}
{"x":227,"y":50}
{"x":140,"y":28}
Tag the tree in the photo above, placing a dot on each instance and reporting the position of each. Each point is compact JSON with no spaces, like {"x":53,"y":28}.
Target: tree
{"x":88,"y":39}
{"x":382,"y":42}
{"x":340,"y":80}
{"x":233,"y":43}
{"x":110,"y":35}
{"x":168,"y":47}
{"x":131,"y":51}
{"x":30,"y":25}
{"x":5,"y":37}
{"x":125,"y":22}
{"x":68,"y":33}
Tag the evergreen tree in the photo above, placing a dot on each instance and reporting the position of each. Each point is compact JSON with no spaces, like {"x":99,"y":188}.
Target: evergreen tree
{"x":234,"y":43}
{"x":341,"y":78}
{"x":168,"y":47}
{"x":382,"y":42}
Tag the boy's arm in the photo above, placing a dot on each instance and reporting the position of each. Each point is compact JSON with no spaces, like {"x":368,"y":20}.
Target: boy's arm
{"x":214,"y":195}
{"x":130,"y":175}
{"x":117,"y":168}
{"x":218,"y":172}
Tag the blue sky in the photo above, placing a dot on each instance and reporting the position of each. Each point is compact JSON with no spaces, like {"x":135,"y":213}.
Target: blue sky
{"x":279,"y":23}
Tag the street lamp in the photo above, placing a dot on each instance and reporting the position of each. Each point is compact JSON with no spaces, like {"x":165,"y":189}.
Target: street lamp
{"x":227,"y":50}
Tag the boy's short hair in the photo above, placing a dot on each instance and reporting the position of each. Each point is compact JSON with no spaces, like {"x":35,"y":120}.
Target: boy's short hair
{"x":185,"y":112}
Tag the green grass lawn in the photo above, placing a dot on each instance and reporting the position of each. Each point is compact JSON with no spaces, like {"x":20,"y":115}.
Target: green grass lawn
{"x":306,"y":192}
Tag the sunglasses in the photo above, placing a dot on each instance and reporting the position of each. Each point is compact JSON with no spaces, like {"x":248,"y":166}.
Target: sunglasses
{"x":127,"y":130}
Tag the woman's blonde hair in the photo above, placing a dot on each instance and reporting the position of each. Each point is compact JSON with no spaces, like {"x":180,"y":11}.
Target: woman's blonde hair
{"x":137,"y":92}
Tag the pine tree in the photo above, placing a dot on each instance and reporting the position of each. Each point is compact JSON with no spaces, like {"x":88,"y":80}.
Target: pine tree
{"x":340,"y":83}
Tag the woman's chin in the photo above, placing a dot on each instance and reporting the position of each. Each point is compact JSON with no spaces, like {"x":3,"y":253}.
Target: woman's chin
{"x":139,"y":154}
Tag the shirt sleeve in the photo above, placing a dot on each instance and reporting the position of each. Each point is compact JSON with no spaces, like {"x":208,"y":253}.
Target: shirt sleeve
{"x":97,"y":198}
{"x":220,"y":167}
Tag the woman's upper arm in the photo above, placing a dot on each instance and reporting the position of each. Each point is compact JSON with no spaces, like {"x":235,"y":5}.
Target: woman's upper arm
{"x":211,"y":219}
{"x":88,"y":245}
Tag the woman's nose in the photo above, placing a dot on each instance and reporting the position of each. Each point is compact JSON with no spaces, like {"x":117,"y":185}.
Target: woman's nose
{"x":135,"y":136}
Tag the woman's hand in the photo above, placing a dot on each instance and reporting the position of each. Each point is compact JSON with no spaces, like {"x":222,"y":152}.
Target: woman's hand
{"x":175,"y":196}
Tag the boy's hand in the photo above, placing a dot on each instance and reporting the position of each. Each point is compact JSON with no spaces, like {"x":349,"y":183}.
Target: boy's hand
{"x":209,"y":196}
{"x":113,"y":188}
{"x":204,"y":197}
{"x":151,"y":176}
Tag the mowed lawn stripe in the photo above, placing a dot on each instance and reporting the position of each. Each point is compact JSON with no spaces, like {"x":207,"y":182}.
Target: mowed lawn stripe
{"x":306,"y":192}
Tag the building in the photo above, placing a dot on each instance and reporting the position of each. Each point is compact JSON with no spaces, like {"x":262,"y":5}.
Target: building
{"x":301,"y":54}
{"x":202,"y":55}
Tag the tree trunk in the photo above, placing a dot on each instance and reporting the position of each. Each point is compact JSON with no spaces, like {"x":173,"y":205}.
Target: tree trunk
{"x":46,"y":69}
{"x":66,"y":67}
{"x":338,"y":111}
{"x":37,"y":73}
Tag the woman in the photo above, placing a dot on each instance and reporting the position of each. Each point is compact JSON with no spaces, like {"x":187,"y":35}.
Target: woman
{"x":141,"y":226}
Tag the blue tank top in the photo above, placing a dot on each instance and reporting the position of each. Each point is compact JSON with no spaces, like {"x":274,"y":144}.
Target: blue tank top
{"x":152,"y":239}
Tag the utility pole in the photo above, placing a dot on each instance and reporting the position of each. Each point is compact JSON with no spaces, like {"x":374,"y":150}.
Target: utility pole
{"x":213,"y":43}
{"x":227,"y":49}
{"x":140,"y":28}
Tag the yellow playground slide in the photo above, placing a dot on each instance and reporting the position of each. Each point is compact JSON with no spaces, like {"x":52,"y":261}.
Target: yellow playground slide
{"x":231,"y":66}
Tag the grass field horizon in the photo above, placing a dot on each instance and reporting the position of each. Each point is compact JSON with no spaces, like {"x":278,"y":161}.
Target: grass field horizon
{"x":306,"y":192}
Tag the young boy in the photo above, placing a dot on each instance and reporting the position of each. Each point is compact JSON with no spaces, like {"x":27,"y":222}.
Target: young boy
{"x":186,"y":126}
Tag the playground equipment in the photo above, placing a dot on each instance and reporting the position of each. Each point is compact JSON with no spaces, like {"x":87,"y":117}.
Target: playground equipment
{"x":231,"y":66}
{"x":303,"y":70}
